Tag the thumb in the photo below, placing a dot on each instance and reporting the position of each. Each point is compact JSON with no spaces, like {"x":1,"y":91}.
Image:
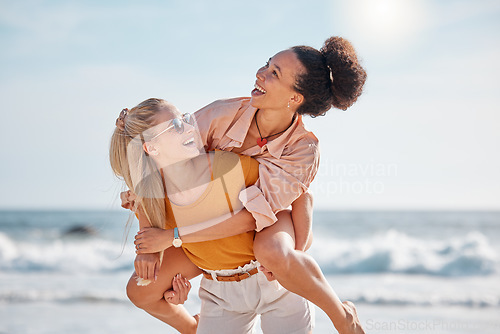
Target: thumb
{"x":170,"y":293}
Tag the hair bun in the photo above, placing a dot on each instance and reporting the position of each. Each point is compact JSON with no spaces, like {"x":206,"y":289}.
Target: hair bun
{"x":120,"y":121}
{"x":348,"y":76}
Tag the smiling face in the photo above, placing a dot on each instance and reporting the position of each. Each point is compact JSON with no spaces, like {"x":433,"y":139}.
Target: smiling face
{"x":275,"y":81}
{"x":168,"y":145}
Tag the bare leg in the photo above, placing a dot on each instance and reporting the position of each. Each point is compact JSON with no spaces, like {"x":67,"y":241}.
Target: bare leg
{"x":298,"y":272}
{"x":150,"y":298}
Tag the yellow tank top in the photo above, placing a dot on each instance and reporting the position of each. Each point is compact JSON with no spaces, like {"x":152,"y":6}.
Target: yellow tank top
{"x":231,"y":173}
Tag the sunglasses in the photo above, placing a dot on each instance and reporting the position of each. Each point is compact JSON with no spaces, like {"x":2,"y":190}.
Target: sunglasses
{"x":178,"y":124}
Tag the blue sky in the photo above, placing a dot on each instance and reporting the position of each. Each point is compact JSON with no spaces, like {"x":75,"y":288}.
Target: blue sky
{"x":424,"y":135}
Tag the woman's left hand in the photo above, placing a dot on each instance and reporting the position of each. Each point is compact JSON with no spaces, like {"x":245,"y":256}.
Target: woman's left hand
{"x":180,"y":290}
{"x":128,"y":200}
{"x":152,"y":240}
{"x":269,"y":274}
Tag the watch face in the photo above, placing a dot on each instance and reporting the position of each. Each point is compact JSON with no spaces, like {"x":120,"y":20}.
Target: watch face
{"x":177,"y":242}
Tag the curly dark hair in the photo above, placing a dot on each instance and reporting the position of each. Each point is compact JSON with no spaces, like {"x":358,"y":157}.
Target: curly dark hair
{"x":333,"y":77}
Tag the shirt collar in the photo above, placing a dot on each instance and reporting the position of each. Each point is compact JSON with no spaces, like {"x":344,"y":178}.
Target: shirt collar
{"x":277,"y":145}
{"x":239,"y":131}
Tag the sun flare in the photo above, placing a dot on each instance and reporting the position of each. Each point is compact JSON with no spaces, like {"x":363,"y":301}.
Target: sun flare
{"x":387,"y":20}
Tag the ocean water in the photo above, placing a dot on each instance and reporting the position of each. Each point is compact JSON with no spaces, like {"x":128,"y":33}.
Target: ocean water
{"x":407,"y":272}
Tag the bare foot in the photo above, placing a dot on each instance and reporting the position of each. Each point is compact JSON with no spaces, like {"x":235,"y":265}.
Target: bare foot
{"x":353,"y":325}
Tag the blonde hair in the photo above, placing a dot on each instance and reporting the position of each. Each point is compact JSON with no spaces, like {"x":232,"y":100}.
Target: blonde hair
{"x":130,"y":162}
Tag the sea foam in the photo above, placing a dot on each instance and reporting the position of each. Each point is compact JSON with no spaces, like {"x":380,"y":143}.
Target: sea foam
{"x":396,"y":252}
{"x":77,"y":256}
{"x":391,"y":251}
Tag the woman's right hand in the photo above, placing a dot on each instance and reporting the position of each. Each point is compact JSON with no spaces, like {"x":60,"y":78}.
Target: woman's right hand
{"x":147,"y":266}
{"x":153,"y":239}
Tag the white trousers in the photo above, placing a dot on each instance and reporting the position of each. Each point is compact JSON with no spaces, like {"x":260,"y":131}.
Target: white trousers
{"x":232,"y":307}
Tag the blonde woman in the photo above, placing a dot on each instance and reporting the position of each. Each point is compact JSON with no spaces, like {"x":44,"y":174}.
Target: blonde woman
{"x":202,"y":190}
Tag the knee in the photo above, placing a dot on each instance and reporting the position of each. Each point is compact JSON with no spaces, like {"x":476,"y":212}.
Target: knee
{"x":273,"y":255}
{"x":133,"y":294}
{"x":273,"y":252}
{"x":272,"y":258}
{"x":136,"y":296}
{"x":266,"y":251}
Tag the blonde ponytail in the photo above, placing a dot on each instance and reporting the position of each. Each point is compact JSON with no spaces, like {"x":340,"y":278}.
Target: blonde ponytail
{"x":129,"y":161}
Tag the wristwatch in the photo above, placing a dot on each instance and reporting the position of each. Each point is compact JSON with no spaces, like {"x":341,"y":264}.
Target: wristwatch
{"x":177,"y":242}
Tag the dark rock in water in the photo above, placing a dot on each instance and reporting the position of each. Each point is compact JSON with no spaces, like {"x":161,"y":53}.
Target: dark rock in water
{"x":80,"y":230}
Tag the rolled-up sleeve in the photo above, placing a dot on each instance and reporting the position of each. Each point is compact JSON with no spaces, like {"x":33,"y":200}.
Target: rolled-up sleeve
{"x":281,"y":181}
{"x":213,"y":120}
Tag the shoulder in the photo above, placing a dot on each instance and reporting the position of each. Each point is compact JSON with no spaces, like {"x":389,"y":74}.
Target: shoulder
{"x":225,"y":157}
{"x":224,"y":162}
{"x":310,"y":141}
{"x":229,"y":161}
{"x":223,"y":107}
{"x":303,"y":142}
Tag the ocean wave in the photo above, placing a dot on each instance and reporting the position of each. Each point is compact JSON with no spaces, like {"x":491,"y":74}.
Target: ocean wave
{"x":396,"y":252}
{"x":60,"y":255}
{"x":389,"y":252}
{"x":32,"y":296}
{"x":425,"y":301}
{"x":387,"y":298}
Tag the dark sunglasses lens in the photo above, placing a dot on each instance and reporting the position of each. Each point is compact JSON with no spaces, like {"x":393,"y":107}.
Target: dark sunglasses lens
{"x":178,"y":125}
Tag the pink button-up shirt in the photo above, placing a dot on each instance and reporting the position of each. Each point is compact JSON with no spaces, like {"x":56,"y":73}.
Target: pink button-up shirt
{"x":287,"y":164}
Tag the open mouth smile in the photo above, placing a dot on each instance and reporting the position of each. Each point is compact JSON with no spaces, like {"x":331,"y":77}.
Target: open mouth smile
{"x":258,"y":90}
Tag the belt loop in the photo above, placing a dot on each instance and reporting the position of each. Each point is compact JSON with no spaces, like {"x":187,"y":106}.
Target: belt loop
{"x":214,"y":276}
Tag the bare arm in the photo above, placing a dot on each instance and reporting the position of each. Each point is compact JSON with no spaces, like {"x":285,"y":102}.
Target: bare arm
{"x":302,"y":209}
{"x":217,"y":228}
{"x":143,"y":219}
{"x":128,"y":202}
{"x":241,"y":222}
{"x":147,"y":266}
{"x":151,"y":240}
